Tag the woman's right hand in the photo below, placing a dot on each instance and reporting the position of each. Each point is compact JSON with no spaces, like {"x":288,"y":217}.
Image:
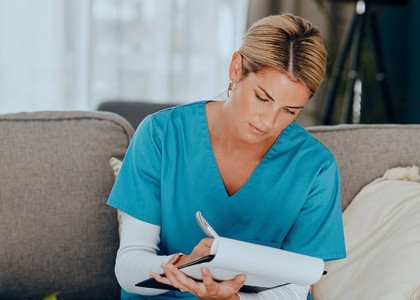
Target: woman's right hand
{"x":202,"y":249}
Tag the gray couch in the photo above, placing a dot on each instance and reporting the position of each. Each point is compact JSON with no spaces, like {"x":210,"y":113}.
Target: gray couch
{"x":57,"y":234}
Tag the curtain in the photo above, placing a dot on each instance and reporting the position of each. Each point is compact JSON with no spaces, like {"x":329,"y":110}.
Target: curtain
{"x":74,"y":54}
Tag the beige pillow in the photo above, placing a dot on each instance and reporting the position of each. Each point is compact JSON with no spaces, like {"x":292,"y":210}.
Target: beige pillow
{"x":116,"y":166}
{"x":382,"y":231}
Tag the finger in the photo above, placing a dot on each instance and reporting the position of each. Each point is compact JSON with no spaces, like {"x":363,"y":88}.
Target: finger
{"x":202,"y":248}
{"x":179,"y":279}
{"x":188,"y":283}
{"x":171,"y":277}
{"x":209,"y":283}
{"x":207,"y":242}
{"x":239,"y":280}
{"x":159,"y":278}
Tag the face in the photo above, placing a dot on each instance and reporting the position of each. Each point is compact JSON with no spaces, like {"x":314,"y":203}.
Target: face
{"x":263,"y":104}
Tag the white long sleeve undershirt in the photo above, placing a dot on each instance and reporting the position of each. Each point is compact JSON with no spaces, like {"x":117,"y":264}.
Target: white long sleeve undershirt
{"x":137,"y":257}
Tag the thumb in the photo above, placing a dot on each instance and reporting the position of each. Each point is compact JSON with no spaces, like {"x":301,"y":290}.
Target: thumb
{"x":239,"y":279}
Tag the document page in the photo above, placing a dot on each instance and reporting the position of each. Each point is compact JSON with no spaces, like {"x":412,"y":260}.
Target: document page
{"x":264,"y":266}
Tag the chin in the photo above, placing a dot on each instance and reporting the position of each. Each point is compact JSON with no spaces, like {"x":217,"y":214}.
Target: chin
{"x":254,"y":139}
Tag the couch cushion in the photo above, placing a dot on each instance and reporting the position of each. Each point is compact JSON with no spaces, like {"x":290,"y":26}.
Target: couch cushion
{"x":56,"y":232}
{"x":382,"y":228}
{"x":116,"y":166}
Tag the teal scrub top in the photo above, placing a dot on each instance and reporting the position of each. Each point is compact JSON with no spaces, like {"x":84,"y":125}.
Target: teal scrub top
{"x":291,"y":200}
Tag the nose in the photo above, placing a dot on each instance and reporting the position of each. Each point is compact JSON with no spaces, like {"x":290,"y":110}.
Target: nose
{"x":268,"y":118}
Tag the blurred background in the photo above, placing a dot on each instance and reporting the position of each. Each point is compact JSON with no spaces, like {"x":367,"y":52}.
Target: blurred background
{"x":77,"y":54}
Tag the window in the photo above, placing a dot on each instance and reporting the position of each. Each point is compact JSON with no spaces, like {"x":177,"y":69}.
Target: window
{"x":74,"y":54}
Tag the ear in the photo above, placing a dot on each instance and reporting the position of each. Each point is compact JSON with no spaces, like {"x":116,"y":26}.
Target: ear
{"x":235,"y":68}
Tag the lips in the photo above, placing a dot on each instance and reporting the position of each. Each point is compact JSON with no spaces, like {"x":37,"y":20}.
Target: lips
{"x":257,"y":130}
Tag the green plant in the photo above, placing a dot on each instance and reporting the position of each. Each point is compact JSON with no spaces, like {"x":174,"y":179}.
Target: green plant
{"x":53,"y":296}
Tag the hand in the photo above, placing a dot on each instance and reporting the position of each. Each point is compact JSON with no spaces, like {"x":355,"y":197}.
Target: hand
{"x":206,"y":290}
{"x":202,"y":249}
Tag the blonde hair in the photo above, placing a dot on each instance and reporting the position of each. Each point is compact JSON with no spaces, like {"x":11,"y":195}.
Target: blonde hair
{"x":289,"y":44}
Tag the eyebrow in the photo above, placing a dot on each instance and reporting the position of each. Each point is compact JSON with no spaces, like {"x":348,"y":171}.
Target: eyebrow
{"x":266,"y":93}
{"x":288,"y":106}
{"x":294,"y":107}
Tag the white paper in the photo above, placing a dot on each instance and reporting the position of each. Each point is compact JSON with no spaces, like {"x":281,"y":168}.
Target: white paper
{"x":264,"y":266}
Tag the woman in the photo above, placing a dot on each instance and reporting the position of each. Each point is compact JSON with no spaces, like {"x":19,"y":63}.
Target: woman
{"x":254,"y":173}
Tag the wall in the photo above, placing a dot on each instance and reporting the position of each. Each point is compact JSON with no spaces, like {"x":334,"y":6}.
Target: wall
{"x":413,"y":115}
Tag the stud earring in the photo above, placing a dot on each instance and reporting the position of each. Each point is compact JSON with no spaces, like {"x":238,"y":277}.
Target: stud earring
{"x":230,"y":87}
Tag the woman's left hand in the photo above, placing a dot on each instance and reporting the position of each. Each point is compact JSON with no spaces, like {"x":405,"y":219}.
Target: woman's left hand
{"x":206,"y":290}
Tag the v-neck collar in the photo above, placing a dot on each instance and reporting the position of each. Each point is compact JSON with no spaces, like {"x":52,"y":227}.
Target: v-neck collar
{"x":213,"y":162}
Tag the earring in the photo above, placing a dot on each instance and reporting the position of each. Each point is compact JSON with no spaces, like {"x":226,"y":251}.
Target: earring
{"x":230,"y":87}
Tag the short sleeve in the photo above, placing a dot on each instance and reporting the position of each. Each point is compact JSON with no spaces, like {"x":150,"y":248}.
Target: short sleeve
{"x":318,"y":229}
{"x":137,"y":188}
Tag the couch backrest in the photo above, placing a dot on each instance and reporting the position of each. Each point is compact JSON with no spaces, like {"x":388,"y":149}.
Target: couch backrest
{"x":56,"y":232}
{"x":133,"y":111}
{"x":365,"y":152}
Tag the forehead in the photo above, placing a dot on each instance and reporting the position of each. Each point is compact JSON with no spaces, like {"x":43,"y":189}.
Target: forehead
{"x":275,"y":82}
{"x":273,"y":74}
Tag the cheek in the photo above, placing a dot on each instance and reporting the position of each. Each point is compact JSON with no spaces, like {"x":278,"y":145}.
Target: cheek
{"x":243,"y":106}
{"x":284,"y":119}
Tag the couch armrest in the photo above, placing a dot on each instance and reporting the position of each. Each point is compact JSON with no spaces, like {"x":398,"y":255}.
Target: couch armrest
{"x":56,"y":233}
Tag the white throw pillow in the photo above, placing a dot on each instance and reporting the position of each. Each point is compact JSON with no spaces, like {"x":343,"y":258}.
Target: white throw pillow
{"x":116,"y":166}
{"x":382,"y":232}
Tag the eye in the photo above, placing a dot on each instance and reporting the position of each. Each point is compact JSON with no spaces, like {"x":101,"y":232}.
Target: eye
{"x":292,"y":112}
{"x":261,"y":99}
